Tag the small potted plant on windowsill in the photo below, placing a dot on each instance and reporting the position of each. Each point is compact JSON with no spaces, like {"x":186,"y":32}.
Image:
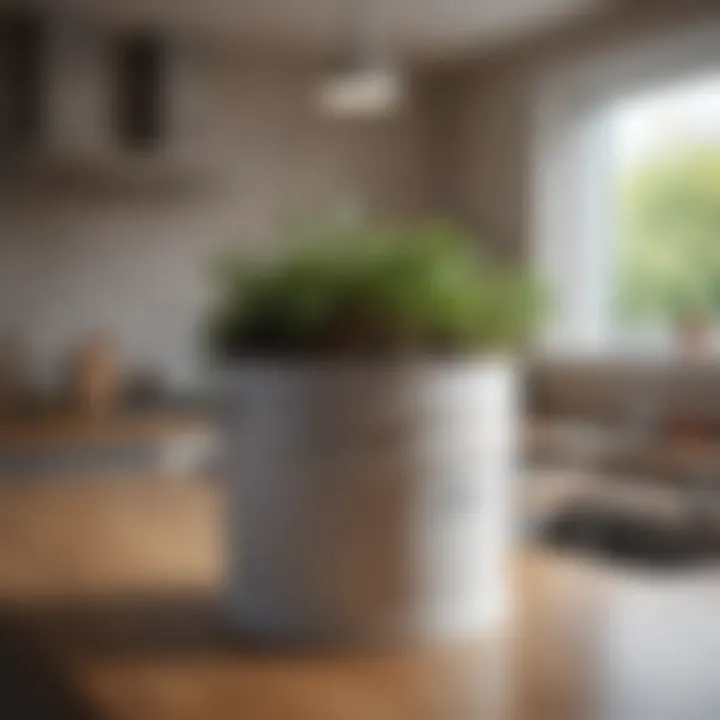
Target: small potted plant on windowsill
{"x":371,"y":443}
{"x":694,"y":335}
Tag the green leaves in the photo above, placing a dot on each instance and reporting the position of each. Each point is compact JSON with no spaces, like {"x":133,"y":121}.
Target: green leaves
{"x":392,"y":289}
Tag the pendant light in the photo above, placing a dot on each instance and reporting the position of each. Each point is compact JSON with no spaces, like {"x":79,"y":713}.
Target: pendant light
{"x":364,"y":84}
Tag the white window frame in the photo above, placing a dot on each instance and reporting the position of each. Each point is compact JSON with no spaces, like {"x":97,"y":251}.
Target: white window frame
{"x":572,"y":190}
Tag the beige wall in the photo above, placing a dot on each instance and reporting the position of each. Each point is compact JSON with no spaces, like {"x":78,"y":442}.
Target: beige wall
{"x":134,"y":261}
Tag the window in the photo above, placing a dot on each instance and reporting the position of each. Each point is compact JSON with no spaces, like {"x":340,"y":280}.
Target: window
{"x":627,"y":250}
{"x":666,"y":251}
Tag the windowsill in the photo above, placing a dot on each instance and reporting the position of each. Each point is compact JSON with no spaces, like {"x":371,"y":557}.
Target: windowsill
{"x":623,"y":358}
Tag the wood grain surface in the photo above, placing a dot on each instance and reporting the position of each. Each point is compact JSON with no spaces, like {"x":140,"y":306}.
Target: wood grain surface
{"x":116,"y":586}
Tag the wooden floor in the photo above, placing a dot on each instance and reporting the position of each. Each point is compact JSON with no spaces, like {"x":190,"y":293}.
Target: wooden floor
{"x":112,"y":590}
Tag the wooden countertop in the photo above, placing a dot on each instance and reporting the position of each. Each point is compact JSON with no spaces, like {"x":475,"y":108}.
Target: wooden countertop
{"x":115,"y":587}
{"x":61,"y":427}
{"x":676,"y":458}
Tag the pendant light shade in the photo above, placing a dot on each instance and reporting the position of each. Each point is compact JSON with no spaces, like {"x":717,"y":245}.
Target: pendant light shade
{"x":365,"y":84}
{"x":361,"y":93}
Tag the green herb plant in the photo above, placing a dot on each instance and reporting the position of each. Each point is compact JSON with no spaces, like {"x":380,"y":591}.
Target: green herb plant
{"x":424,"y":288}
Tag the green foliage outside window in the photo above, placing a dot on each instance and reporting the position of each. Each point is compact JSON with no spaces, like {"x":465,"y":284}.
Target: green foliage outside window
{"x":667,"y":258}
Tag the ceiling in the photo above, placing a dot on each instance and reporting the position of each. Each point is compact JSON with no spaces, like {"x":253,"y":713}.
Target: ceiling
{"x":411,"y":28}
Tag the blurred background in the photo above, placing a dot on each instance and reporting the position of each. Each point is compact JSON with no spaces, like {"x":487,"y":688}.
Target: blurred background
{"x":574,"y":142}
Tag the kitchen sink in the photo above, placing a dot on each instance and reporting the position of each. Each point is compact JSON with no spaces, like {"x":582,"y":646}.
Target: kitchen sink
{"x":629,"y":537}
